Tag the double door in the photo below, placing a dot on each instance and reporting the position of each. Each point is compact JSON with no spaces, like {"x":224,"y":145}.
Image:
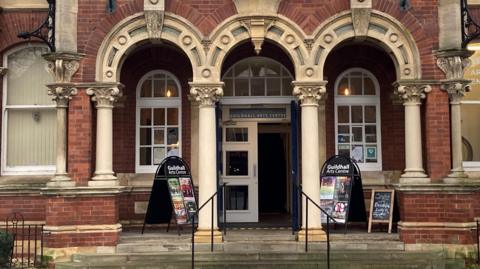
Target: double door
{"x":240,"y":171}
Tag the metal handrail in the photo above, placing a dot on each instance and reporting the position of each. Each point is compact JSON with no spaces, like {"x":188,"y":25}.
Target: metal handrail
{"x":309,"y":200}
{"x":211,"y":226}
{"x":478,"y":244}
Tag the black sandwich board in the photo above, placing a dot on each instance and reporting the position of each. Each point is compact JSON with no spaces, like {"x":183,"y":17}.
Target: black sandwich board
{"x":341,"y":191}
{"x":172,"y":193}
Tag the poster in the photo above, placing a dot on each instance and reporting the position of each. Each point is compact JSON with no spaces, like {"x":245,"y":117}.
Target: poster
{"x":188,"y":194}
{"x":177,"y":200}
{"x":335,"y":196}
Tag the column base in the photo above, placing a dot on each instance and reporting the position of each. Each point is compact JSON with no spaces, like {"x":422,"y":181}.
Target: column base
{"x":61,"y":180}
{"x":205,"y":236}
{"x":314,"y":235}
{"x":456,"y":176}
{"x":414,"y":177}
{"x":103,"y":183}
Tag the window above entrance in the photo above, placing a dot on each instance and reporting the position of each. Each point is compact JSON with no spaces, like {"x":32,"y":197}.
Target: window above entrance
{"x":257,"y":76}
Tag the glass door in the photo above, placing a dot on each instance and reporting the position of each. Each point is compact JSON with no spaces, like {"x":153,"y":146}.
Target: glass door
{"x":240,"y":171}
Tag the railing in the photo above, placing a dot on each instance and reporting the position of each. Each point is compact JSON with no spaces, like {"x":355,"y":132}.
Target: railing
{"x":329,"y":217}
{"x":192,"y":217}
{"x":478,"y":244}
{"x":27,"y":242}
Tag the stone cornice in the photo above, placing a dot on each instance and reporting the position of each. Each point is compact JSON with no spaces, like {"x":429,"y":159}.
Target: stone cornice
{"x":206,"y":93}
{"x":453,"y":62}
{"x":438,"y":187}
{"x":82,"y":191}
{"x":310,"y":92}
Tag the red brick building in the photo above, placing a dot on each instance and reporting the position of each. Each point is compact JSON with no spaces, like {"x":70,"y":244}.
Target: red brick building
{"x":134,"y":81}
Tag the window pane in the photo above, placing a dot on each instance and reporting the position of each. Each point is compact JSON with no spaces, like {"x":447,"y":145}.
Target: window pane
{"x":356,"y":86}
{"x":236,"y":197}
{"x":242,"y":70}
{"x":258,"y":86}
{"x":344,"y":150}
{"x":236,"y":134}
{"x":273,"y":87}
{"x":370,"y":114}
{"x":158,"y":155}
{"x":258,"y":70}
{"x":172,"y":90}
{"x":159,"y":88}
{"x":145,"y":116}
{"x":241,"y":87}
{"x":343,"y":86}
{"x":159,"y":116}
{"x":470,"y":132}
{"x":172,"y":136}
{"x":272,"y":69}
{"x":172,"y":116}
{"x":237,"y":163}
{"x":145,"y":156}
{"x":27,"y":77}
{"x":357,"y":114}
{"x":159,"y":136}
{"x":357,"y":134}
{"x":145,"y":136}
{"x":287,"y":87}
{"x":371,"y":133}
{"x":31,"y":137}
{"x":368,"y":86}
{"x":343,"y":114}
{"x":343,"y":134}
{"x":228,"y":89}
{"x":173,"y":151}
{"x":146,"y":90}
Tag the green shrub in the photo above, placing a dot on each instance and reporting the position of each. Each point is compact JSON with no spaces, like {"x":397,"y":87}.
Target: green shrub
{"x":6,"y":247}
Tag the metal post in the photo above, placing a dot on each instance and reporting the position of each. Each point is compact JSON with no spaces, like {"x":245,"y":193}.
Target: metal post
{"x":478,"y":245}
{"x":28,"y":245}
{"x":306,"y":224}
{"x":35,"y":250}
{"x":224,"y":211}
{"x":193,"y":241}
{"x":211,"y":227}
{"x":328,"y":242}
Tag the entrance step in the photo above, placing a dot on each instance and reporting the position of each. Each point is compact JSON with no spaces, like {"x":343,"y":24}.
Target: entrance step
{"x":339,"y":259}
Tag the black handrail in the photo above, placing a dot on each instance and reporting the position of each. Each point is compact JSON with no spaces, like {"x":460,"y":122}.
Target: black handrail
{"x":211,"y":226}
{"x":309,"y":200}
{"x":478,"y":245}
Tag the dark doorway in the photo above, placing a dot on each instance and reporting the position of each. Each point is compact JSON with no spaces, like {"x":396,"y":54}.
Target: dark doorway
{"x":272,"y":187}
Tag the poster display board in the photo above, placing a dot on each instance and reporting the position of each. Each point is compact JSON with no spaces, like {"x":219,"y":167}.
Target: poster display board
{"x":341,"y":191}
{"x":172,"y":192}
{"x":381,"y":208}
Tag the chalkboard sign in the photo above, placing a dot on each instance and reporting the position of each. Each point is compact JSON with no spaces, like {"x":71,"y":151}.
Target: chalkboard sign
{"x":381,"y":208}
{"x":172,"y":192}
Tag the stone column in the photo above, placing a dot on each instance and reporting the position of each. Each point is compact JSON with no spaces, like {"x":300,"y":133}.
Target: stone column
{"x":62,"y":66}
{"x":412,"y":94}
{"x":207,"y":94}
{"x":309,"y":94}
{"x":453,"y":64}
{"x":104,"y":95}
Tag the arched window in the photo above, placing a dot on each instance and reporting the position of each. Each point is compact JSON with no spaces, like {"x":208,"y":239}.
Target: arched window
{"x":258,"y":77}
{"x":158,"y":120}
{"x":357,"y":118}
{"x":29,"y":116}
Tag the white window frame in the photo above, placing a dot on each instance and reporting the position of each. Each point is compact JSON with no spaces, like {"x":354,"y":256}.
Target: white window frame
{"x":155,"y":102}
{"x":249,"y":100}
{"x":471,"y":166}
{"x":363,"y":100}
{"x":19,"y":170}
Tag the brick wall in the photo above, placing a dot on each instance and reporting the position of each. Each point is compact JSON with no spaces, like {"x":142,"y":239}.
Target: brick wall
{"x":81,"y":240}
{"x":127,"y":205}
{"x":31,"y":207}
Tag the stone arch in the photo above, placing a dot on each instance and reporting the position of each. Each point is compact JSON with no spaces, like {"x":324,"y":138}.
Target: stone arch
{"x":238,"y":29}
{"x":132,"y":30}
{"x":382,"y":28}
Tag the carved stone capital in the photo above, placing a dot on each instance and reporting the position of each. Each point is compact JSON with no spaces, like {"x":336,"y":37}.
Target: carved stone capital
{"x":310,"y":93}
{"x":62,"y":66}
{"x":105,"y":94}
{"x":456,"y":90}
{"x":453,"y":63}
{"x":412,"y":94}
{"x":62,"y":93}
{"x":206,"y":94}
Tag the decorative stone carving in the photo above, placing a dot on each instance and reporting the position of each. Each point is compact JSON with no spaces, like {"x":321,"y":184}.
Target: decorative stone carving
{"x":309,"y":43}
{"x":105,"y":95}
{"x":206,"y":43}
{"x":310,"y":93}
{"x":456,"y":90}
{"x":62,"y":66}
{"x":206,"y":93}
{"x":257,"y":33}
{"x":154,"y":17}
{"x":361,"y":21}
{"x":454,"y":66}
{"x":61,"y":93}
{"x":413,"y":93}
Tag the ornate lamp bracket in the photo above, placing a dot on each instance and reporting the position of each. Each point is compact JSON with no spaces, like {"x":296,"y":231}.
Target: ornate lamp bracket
{"x":46,"y":31}
{"x":470,"y":28}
